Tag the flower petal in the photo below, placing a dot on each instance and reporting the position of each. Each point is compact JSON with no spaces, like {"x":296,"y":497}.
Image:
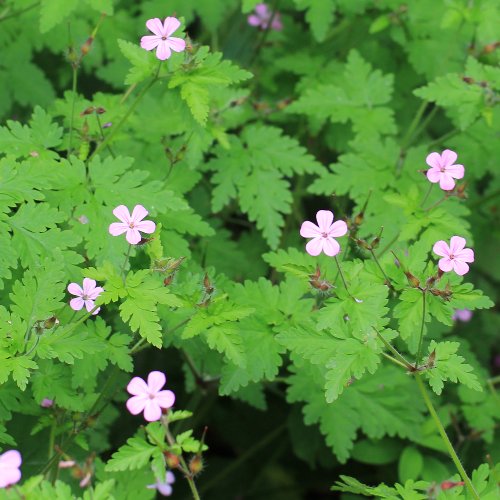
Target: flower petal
{"x":315,"y":246}
{"x":156,"y":381}
{"x":448,"y":157}
{"x":133,"y":236}
{"x":163,"y":51}
{"x":164,"y":489}
{"x":466,"y":255}
{"x":121,"y":212}
{"x":95,"y":292}
{"x":75,"y":289}
{"x":137,"y":386}
{"x":434,"y":160}
{"x":176,"y":44}
{"x":460,"y":267}
{"x":456,"y":171}
{"x":446,"y":182}
{"x":166,"y":399}
{"x":262,"y":10}
{"x":457,"y":243}
{"x":146,"y":226}
{"x":89,"y":305}
{"x":331,"y":247}
{"x":324,"y":219}
{"x":434,"y":175}
{"x":76,"y":304}
{"x":445,"y":264}
{"x":152,"y":411}
{"x":338,"y":228}
{"x":169,"y":477}
{"x":309,"y":230}
{"x":253,"y":20}
{"x":136,"y":404}
{"x":170,"y":25}
{"x":117,"y":228}
{"x":441,"y":248}
{"x":277,"y":25}
{"x":11,"y":458}
{"x":138,"y":214}
{"x":88,"y":286}
{"x":150,"y":42}
{"x":156,"y":26}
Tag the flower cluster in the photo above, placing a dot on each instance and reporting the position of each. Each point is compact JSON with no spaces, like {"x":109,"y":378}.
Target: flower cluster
{"x":323,"y":234}
{"x":10,"y":472}
{"x":85,"y":295}
{"x":132,"y":225}
{"x":262,"y":16}
{"x":443,"y":169}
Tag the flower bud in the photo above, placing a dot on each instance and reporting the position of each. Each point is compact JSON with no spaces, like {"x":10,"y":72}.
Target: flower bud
{"x":88,"y":111}
{"x":50,"y":322}
{"x":196,"y":465}
{"x":171,"y":460}
{"x":447,"y":485}
{"x":85,"y":48}
{"x":413,"y":280}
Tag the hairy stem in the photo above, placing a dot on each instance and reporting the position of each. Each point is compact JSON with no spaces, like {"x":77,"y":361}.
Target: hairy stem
{"x":343,"y":278}
{"x":426,"y":195}
{"x":73,"y":102}
{"x":445,"y":438}
{"x":421,"y":339}
{"x":394,"y":351}
{"x":387,"y":280}
{"x":101,"y":130}
{"x":120,"y":124}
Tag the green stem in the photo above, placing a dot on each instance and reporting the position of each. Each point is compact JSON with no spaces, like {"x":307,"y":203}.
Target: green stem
{"x":343,"y":278}
{"x":120,"y":124}
{"x":443,"y":138}
{"x":437,"y":203}
{"x":18,"y":13}
{"x":73,"y":97}
{"x":445,"y":438}
{"x":187,"y":473}
{"x":265,"y":33}
{"x":406,"y":141}
{"x":427,"y":195}
{"x":124,"y":265}
{"x":387,"y":280}
{"x":101,"y":130}
{"x":394,"y":360}
{"x":421,"y":339}
{"x":389,"y":245}
{"x":394,"y":351}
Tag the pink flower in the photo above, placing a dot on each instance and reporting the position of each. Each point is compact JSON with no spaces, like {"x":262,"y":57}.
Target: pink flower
{"x":454,"y":256}
{"x":10,"y":472}
{"x":443,"y":169}
{"x":322,"y":234}
{"x":262,"y":17}
{"x":462,"y":315}
{"x":164,"y":488}
{"x":84,"y":296}
{"x":162,"y":41}
{"x":149,"y":397}
{"x":131,"y":224}
{"x":47,"y":403}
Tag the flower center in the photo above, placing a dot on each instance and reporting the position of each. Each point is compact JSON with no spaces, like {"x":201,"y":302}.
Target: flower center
{"x":131,"y":225}
{"x":451,"y":256}
{"x":324,"y":235}
{"x":85,"y":297}
{"x":151,"y":396}
{"x":163,"y":37}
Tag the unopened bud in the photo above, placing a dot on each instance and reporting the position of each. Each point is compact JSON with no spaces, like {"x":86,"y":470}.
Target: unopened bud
{"x":168,"y":280}
{"x":491,"y":47}
{"x":85,"y":48}
{"x":435,"y":292}
{"x":359,"y":218}
{"x":88,"y":111}
{"x":100,"y":110}
{"x":431,"y":359}
{"x":50,"y":322}
{"x":430,"y":281}
{"x":171,"y":459}
{"x":447,"y":485}
{"x":196,"y":465}
{"x":207,"y":285}
{"x":66,"y":464}
{"x":413,"y":280}
{"x":468,"y":80}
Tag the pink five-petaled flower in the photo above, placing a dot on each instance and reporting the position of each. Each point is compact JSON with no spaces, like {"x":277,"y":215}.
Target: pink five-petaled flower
{"x":164,"y":488}
{"x":131,"y":224}
{"x":323,"y":234}
{"x":262,"y":17}
{"x":454,"y":256}
{"x":443,"y":169}
{"x":84,"y":296}
{"x":162,"y":41}
{"x":148,"y":397}
{"x":10,"y":463}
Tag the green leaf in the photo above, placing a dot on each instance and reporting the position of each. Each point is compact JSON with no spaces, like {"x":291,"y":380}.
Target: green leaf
{"x":55,"y":11}
{"x":450,"y":366}
{"x":319,"y":15}
{"x":131,"y":456}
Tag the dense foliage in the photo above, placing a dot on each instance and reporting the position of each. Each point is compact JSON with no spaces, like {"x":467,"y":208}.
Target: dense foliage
{"x":295,"y":375}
